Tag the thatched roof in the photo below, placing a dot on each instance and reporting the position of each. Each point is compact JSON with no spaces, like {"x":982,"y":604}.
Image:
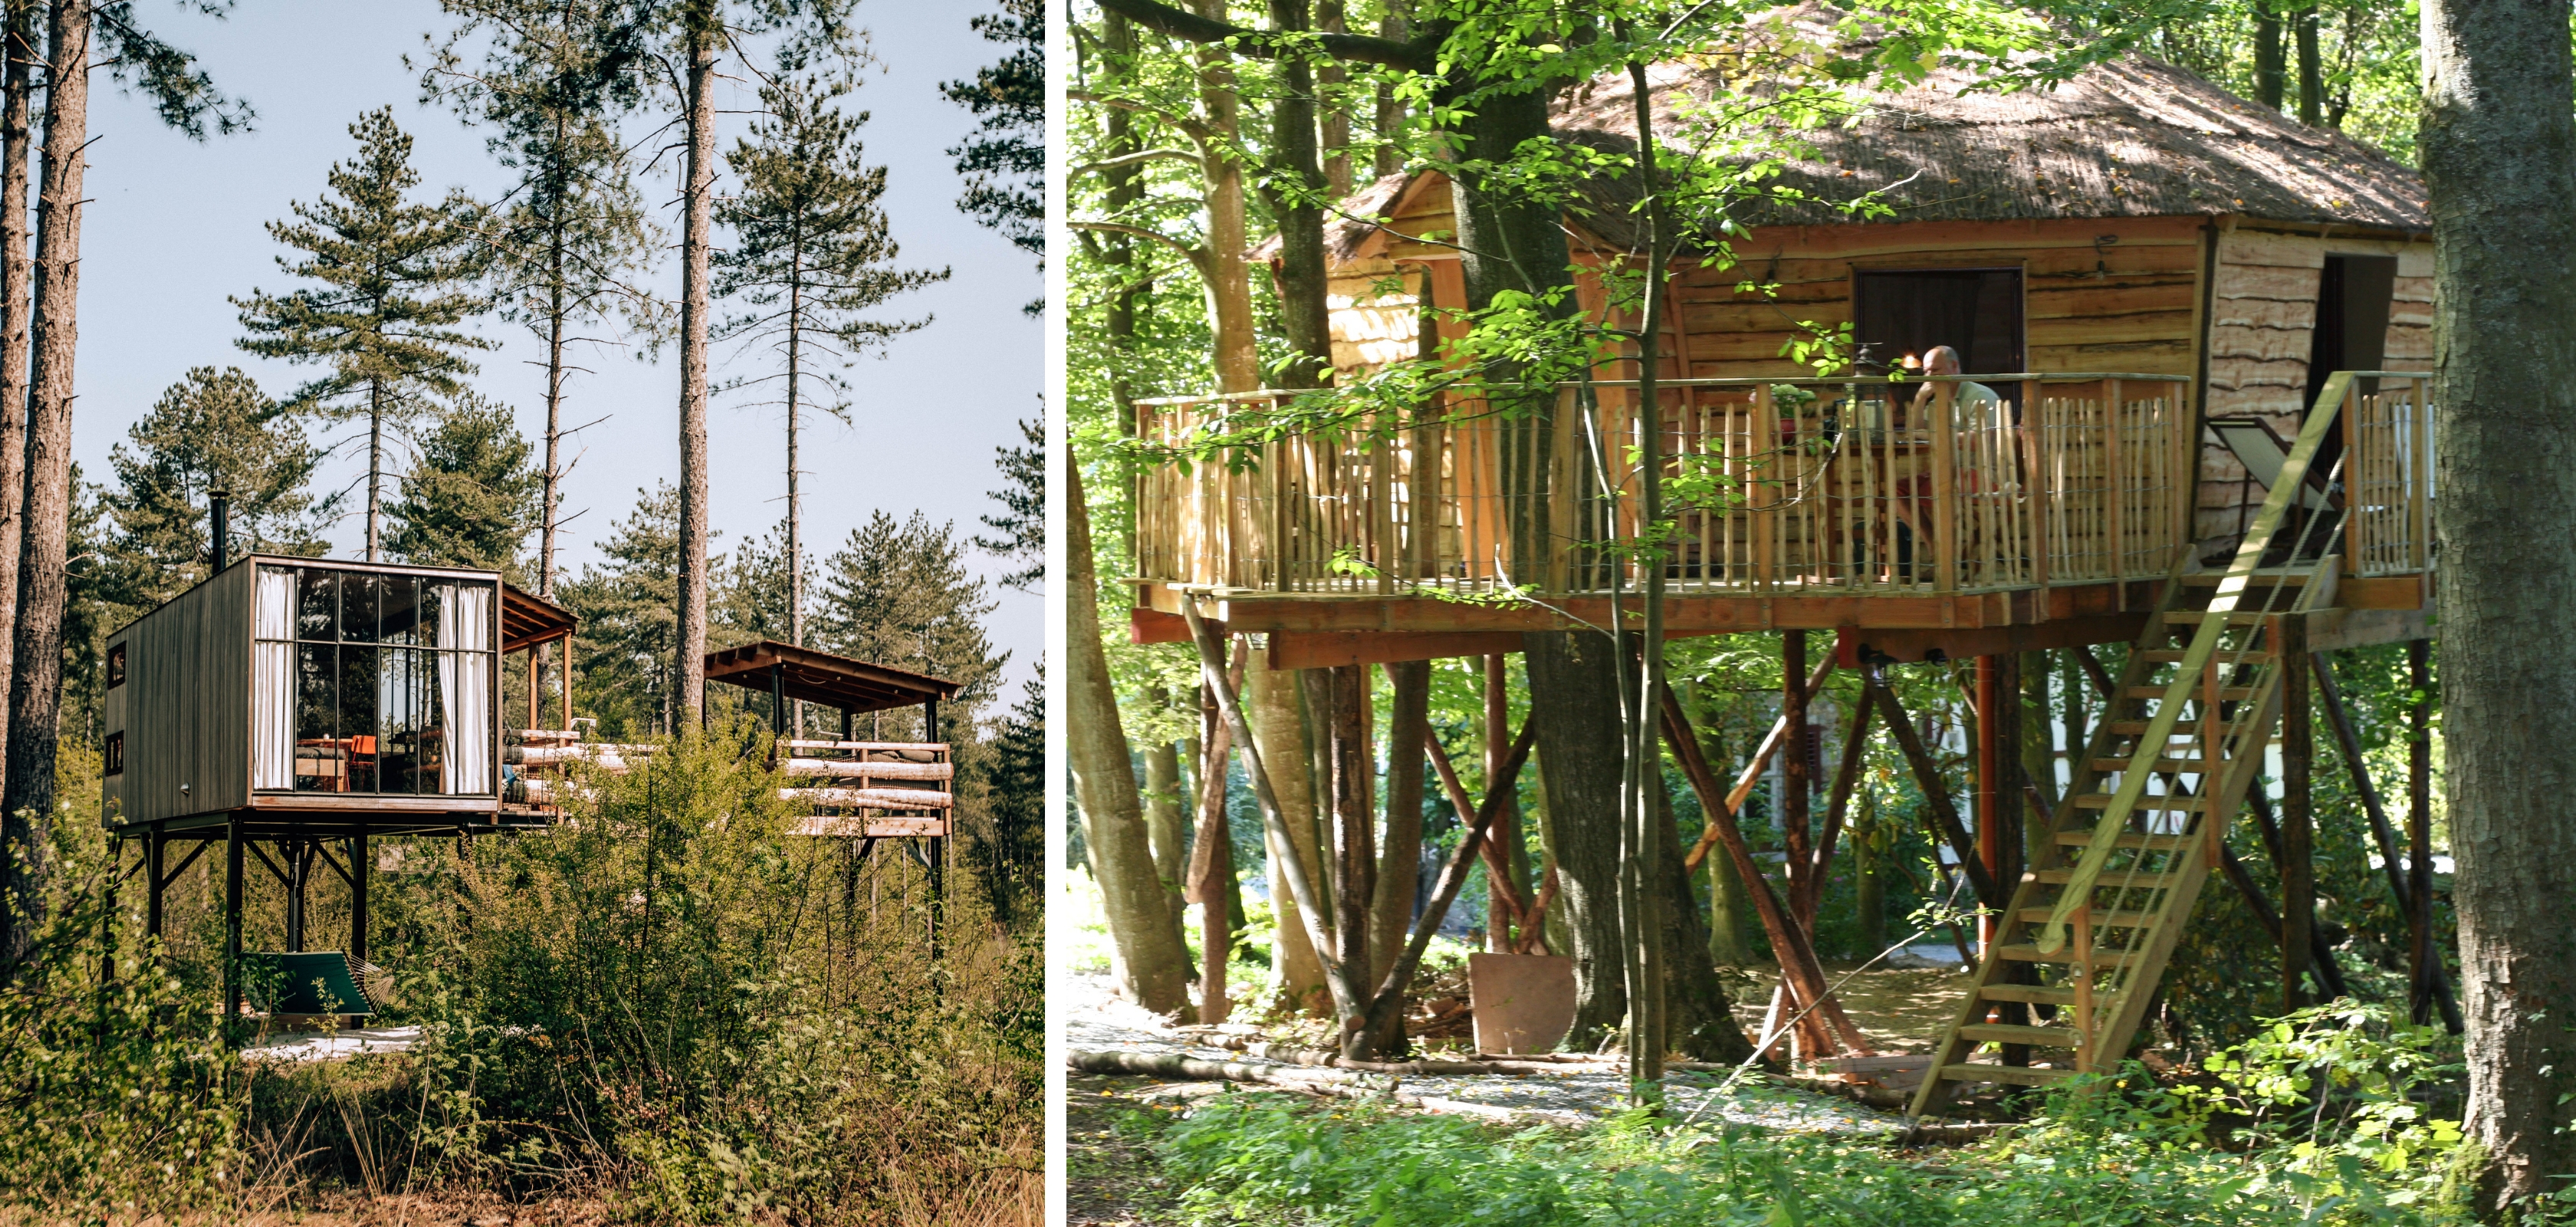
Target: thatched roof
{"x":2135,"y":137}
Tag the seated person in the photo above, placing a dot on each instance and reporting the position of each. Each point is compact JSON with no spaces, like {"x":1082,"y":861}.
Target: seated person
{"x":1974,"y":400}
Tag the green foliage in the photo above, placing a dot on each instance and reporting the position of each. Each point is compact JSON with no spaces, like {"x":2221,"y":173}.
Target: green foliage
{"x":472,"y":499}
{"x":212,"y":430}
{"x":629,"y":627}
{"x":899,"y":593}
{"x":120,"y":1099}
{"x":1003,"y":163}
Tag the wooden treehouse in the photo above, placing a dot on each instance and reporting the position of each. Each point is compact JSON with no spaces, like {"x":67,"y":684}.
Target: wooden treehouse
{"x":2194,"y":317}
{"x":293,"y":710}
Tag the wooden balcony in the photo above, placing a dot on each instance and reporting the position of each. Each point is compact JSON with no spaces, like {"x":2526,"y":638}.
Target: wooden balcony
{"x":1799,"y":503}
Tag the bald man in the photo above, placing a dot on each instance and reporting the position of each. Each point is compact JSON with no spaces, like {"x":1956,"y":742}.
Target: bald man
{"x":1973,"y":399}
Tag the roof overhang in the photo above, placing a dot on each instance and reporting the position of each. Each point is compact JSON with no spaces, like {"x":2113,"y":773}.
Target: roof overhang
{"x":821,"y":677}
{"x":528,"y":619}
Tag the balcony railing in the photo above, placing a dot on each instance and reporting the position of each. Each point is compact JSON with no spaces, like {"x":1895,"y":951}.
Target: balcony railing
{"x":2388,"y":474}
{"x":1784,"y":487}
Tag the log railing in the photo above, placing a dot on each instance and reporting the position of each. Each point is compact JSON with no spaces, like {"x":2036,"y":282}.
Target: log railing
{"x":1852,"y":487}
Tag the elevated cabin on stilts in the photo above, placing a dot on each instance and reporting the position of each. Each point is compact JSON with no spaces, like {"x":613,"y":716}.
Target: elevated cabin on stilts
{"x":2204,"y":324}
{"x":311,"y":706}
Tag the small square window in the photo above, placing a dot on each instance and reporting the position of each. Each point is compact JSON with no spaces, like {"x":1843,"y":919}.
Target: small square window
{"x":116,"y":666}
{"x":116,"y":753}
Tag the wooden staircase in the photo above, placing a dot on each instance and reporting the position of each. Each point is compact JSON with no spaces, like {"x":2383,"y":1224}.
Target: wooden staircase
{"x":2078,"y":952}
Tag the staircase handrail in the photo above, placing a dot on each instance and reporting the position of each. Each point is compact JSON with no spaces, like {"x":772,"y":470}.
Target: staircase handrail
{"x":2153,"y":743}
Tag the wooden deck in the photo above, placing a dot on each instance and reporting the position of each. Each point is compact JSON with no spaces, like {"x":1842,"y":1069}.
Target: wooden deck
{"x":1822,"y":504}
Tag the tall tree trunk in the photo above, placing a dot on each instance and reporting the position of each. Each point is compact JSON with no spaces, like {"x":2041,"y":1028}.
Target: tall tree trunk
{"x":1304,"y":281}
{"x":2499,"y":157}
{"x":375,"y":468}
{"x":1698,"y":1022}
{"x":697,"y":195}
{"x":1399,"y":863}
{"x":1574,"y":678}
{"x":1279,"y":733}
{"x":2312,"y":82}
{"x":1163,"y":826}
{"x":1390,"y":109}
{"x":1330,"y":78}
{"x":1229,"y":289}
{"x":35,"y":684}
{"x":16,"y":273}
{"x":795,"y":489}
{"x":1152,"y":966}
{"x":2270,"y":84}
{"x":1353,"y":772}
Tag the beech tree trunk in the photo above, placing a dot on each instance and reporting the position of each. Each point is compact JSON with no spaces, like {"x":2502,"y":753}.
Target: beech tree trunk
{"x":1164,"y":826}
{"x":1279,"y":733}
{"x":35,"y":684}
{"x":1574,"y":686}
{"x":697,"y":195}
{"x":1229,"y":289}
{"x":1152,"y":967}
{"x":1698,"y":1021}
{"x":1399,"y":863}
{"x":2499,"y":157}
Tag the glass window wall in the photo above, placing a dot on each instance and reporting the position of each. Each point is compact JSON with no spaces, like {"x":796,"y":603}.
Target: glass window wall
{"x":370,"y":683}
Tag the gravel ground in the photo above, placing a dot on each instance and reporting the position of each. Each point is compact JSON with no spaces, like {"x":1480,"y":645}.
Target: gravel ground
{"x":1097,"y":1022}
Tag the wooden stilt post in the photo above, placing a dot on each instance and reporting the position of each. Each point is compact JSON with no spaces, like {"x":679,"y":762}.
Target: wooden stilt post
{"x":938,"y":843}
{"x":1792,"y":810}
{"x":293,"y":851}
{"x":1212,"y":858}
{"x":2298,"y":830}
{"x":1506,"y":850}
{"x":155,"y":841}
{"x":2423,"y":963}
{"x":1982,"y":803}
{"x":361,"y":862}
{"x":563,"y":678}
{"x":1354,"y":827}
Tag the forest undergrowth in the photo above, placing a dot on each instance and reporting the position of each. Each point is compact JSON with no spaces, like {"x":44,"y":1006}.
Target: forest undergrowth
{"x":2331,"y":1115}
{"x":664,"y":1009}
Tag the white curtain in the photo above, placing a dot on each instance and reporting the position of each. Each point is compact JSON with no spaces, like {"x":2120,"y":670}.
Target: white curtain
{"x":272,"y":670}
{"x":465,"y":687}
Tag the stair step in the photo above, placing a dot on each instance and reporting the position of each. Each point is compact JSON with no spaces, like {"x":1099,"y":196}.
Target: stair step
{"x":2101,"y":919}
{"x":2128,"y":839}
{"x":2033,"y":994}
{"x":2165,"y":804}
{"x":2173,"y":656}
{"x":2009,"y":1033}
{"x":2126,"y":879}
{"x":2025,"y":952}
{"x":2226,"y":694}
{"x":2265,"y":577}
{"x":2194,"y":617}
{"x":2016,"y":1074}
{"x":2170,"y":766}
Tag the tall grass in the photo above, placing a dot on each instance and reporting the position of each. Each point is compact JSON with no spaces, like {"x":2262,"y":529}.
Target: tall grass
{"x":665,"y":1003}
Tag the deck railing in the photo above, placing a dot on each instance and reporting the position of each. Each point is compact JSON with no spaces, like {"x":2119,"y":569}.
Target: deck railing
{"x":1805,"y":487}
{"x":2388,"y":474}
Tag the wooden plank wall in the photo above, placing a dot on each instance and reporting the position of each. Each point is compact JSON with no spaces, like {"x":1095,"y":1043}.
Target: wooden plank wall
{"x":2263,"y":309}
{"x":185,"y":704}
{"x":2099,"y":295}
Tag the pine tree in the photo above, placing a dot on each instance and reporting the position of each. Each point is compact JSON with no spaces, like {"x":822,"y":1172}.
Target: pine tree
{"x":1019,"y":538}
{"x":629,"y":624}
{"x":473,"y":497}
{"x":1018,"y":800}
{"x":574,"y":237}
{"x":899,"y":594}
{"x":812,"y":256}
{"x":393,"y":277}
{"x":1005,"y":162}
{"x":212,"y":430}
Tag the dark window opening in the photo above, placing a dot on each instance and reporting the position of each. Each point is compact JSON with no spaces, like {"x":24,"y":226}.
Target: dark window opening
{"x":116,"y":666}
{"x":1977,"y":311}
{"x":115,"y":754}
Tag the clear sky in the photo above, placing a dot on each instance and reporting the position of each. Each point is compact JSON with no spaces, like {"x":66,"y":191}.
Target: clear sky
{"x":175,"y":226}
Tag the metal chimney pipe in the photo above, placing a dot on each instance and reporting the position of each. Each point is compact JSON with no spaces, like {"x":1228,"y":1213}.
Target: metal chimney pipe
{"x":221,"y":502}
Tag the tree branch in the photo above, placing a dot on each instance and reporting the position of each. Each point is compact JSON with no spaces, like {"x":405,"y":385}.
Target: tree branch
{"x":1418,"y":55}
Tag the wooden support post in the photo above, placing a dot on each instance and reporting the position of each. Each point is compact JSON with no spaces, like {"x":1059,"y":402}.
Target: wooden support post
{"x":2298,"y":832}
{"x":534,"y":689}
{"x":233,"y":841}
{"x":299,"y":861}
{"x":1507,"y":850}
{"x":361,"y":862}
{"x":1790,"y":806}
{"x":778,"y":699}
{"x":2424,"y":964}
{"x":2086,"y":1060}
{"x":563,"y":678}
{"x":1211,"y":867}
{"x":1753,"y":770}
{"x":1801,"y":971}
{"x":1982,"y":804}
{"x":155,"y":841}
{"x":1944,"y":815}
{"x":848,"y":720}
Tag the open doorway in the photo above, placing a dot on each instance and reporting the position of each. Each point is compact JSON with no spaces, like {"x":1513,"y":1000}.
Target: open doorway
{"x":2354,"y":294}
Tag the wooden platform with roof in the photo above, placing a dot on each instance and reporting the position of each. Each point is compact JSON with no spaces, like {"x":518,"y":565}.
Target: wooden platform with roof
{"x":2153,"y":276}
